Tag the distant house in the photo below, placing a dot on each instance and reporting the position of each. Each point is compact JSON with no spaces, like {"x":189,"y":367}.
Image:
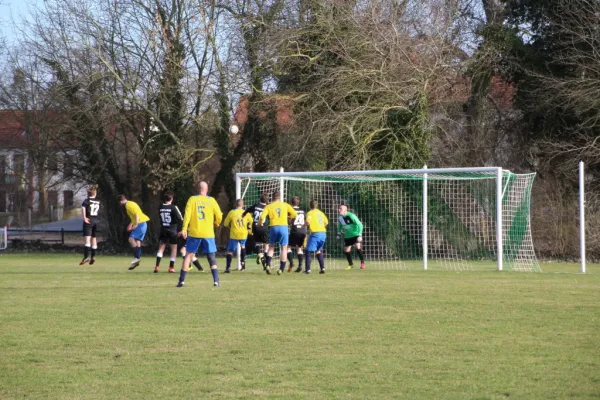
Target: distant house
{"x":34,"y":174}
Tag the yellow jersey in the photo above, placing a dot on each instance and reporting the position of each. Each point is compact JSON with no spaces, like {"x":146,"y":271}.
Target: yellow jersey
{"x":316,"y":221}
{"x":202,"y":214}
{"x":238,"y":225}
{"x":278,"y":213}
{"x":132,"y":210}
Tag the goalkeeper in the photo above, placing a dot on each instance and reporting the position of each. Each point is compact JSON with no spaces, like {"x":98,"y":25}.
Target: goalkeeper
{"x":350,"y":226}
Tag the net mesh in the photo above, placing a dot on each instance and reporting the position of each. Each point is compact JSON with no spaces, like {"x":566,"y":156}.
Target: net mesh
{"x":461,"y":215}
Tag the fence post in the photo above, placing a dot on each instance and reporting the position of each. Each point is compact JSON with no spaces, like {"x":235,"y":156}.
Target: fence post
{"x":62,"y":236}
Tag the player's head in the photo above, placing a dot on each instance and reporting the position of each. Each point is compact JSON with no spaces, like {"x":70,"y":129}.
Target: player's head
{"x":168,"y":197}
{"x":122,"y":198}
{"x":343,"y":209}
{"x":263,"y":198}
{"x":92,"y":190}
{"x":239,"y":203}
{"x":295,"y":201}
{"x":276,"y":195}
{"x":202,"y":188}
{"x":313,"y":204}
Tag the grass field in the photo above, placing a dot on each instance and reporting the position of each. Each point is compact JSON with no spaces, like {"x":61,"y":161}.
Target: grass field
{"x":102,"y":332}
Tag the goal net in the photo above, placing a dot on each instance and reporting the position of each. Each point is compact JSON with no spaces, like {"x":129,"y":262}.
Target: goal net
{"x":457,"y":219}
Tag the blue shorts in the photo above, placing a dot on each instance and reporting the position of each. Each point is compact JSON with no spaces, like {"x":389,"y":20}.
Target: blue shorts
{"x":316,"y":241}
{"x":279,"y":234}
{"x":207,"y":245}
{"x":233,"y":244}
{"x":140,"y":232}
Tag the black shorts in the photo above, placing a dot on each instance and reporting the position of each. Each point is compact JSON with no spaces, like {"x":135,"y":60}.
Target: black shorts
{"x":351,"y":241}
{"x":297,"y":239}
{"x":167,"y":236}
{"x":90,"y":229}
{"x":261,"y":234}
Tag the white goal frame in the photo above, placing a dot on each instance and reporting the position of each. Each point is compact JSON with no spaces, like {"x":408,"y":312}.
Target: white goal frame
{"x":3,"y":238}
{"x":424,"y":171}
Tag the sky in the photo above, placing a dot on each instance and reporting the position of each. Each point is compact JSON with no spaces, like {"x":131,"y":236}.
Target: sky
{"x":11,"y":12}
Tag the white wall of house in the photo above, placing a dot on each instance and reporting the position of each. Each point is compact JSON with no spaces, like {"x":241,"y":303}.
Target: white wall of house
{"x":63,"y":193}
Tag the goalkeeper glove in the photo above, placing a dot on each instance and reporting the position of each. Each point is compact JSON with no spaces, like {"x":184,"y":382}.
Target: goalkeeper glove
{"x":359,"y":239}
{"x":339,"y":236}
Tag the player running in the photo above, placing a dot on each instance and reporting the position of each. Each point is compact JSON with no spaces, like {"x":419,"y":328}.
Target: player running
{"x":317,"y":224}
{"x":259,"y":233}
{"x":202,"y":215}
{"x":137,"y":228}
{"x":90,"y":209}
{"x":170,"y":221}
{"x":238,"y":233}
{"x":350,"y":226}
{"x":278,"y":213}
{"x":297,"y":235}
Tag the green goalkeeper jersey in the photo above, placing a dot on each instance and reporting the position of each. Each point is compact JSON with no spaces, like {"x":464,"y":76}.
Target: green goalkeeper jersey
{"x":350,"y":224}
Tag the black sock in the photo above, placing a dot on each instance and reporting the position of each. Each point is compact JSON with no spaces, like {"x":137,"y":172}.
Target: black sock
{"x":86,"y":251}
{"x":361,"y":255}
{"x":321,"y":260}
{"x":308,"y":260}
{"x":171,"y":263}
{"x":268,"y":260}
{"x":229,"y":258}
{"x":243,"y":258}
{"x":290,"y":258}
{"x":197,"y":264}
{"x":349,"y":257}
{"x":93,"y":252}
{"x":158,"y":260}
{"x":300,"y":258}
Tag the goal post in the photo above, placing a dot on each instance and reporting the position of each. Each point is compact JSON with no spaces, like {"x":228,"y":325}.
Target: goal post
{"x":448,"y":218}
{"x":3,"y":238}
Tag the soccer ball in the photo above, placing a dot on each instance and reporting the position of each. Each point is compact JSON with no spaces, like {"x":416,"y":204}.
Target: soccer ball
{"x":233,"y":129}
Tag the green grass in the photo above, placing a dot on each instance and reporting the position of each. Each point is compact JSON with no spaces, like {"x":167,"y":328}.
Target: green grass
{"x":99,"y":332}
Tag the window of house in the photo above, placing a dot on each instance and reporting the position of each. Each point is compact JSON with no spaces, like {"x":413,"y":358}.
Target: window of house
{"x":19,"y":164}
{"x":68,"y":199}
{"x":52,"y":164}
{"x":67,"y":166}
{"x":52,"y":198}
{"x":3,"y":201}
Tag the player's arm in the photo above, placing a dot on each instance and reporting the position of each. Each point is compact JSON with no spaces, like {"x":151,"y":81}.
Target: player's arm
{"x":291,"y":212}
{"x":264,"y":215}
{"x":179,"y":218}
{"x":217,"y":212}
{"x":187,"y":217}
{"x":85,"y":218}
{"x":228,"y":219}
{"x":356,"y":221}
{"x":249,"y":210}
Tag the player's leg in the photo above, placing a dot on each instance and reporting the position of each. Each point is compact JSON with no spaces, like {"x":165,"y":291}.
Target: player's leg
{"x":361,"y":255}
{"x":243,"y":254}
{"x":311,"y":246}
{"x":159,"y":253}
{"x":283,"y":239}
{"x":348,"y":243}
{"x":173,"y":258}
{"x":209,"y":247}
{"x":86,"y":250}
{"x":87,"y":237}
{"x":300,"y":254}
{"x":191,"y":247}
{"x":321,"y":238}
{"x":290,"y":255}
{"x":231,"y":248}
{"x":136,"y":261}
{"x":94,"y":245}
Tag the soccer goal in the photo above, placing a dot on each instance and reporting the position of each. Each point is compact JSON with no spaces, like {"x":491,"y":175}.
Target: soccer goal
{"x":449,"y":218}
